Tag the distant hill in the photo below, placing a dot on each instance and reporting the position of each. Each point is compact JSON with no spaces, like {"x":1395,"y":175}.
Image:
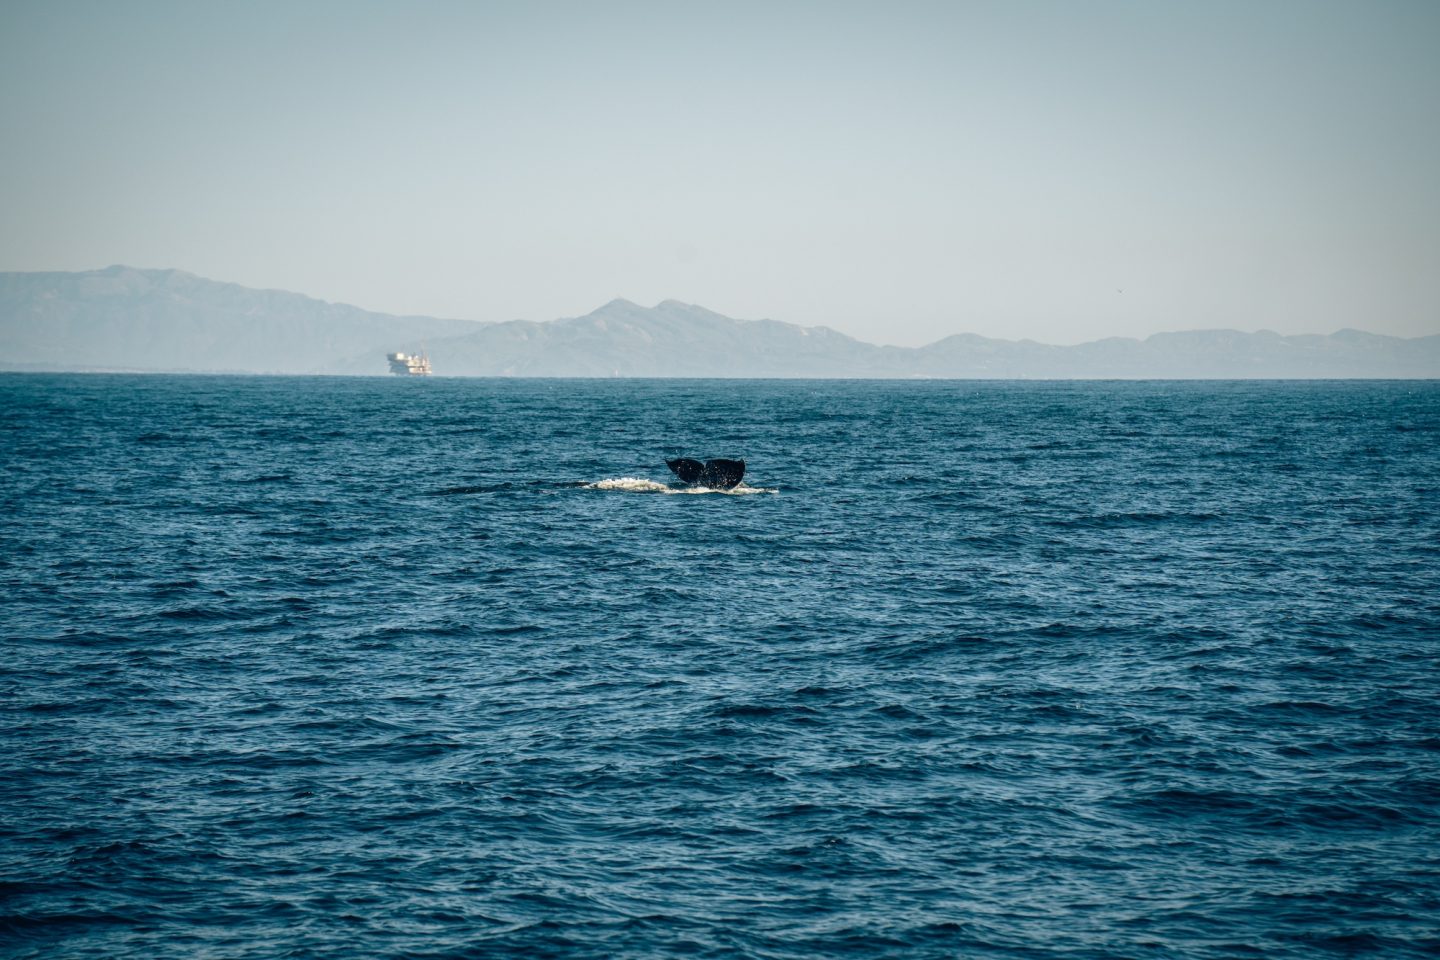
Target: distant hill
{"x":1192,"y":354}
{"x":166,"y":320}
{"x":671,"y":339}
{"x":121,"y":318}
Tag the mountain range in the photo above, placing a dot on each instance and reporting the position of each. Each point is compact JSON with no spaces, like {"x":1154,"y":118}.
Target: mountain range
{"x":127,"y":319}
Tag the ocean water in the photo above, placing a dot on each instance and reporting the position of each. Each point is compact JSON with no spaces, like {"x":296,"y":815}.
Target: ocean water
{"x":445,"y":668}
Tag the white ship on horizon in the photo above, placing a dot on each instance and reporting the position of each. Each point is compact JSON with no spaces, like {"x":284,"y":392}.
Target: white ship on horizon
{"x":409,"y":364}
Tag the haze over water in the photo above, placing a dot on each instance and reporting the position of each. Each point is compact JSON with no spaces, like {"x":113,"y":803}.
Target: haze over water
{"x":404,"y":668}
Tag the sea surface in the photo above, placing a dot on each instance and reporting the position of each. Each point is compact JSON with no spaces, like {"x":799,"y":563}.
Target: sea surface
{"x":407,"y":668}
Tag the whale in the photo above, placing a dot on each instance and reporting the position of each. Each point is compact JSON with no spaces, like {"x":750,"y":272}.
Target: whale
{"x":716,"y":474}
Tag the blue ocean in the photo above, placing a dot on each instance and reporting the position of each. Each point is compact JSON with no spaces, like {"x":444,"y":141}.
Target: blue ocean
{"x":445,"y":668}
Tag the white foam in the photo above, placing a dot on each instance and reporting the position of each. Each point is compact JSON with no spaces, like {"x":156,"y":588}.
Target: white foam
{"x":641,"y":485}
{"x":628,"y":484}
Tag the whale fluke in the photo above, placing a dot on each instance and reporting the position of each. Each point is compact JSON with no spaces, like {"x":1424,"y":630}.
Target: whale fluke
{"x":687,"y":470}
{"x":717,"y":474}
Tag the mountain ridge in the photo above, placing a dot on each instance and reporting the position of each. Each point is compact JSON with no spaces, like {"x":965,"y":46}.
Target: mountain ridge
{"x":171,"y":320}
{"x":131,"y":319}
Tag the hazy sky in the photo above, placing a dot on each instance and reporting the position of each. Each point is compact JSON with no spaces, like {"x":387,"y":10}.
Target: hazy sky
{"x":899,"y":171}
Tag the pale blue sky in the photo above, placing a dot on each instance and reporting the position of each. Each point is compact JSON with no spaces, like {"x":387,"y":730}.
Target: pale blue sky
{"x":899,"y":171}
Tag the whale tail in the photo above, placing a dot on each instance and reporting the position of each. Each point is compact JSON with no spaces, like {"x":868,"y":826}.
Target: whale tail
{"x":717,"y":474}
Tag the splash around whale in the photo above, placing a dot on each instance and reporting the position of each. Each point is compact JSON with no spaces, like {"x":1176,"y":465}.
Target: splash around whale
{"x":643,"y":485}
{"x":709,"y":476}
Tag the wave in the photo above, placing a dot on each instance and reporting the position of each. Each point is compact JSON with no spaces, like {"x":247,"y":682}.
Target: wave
{"x":641,"y":485}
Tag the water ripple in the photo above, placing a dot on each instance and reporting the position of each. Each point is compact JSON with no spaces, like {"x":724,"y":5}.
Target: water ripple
{"x":325,"y":667}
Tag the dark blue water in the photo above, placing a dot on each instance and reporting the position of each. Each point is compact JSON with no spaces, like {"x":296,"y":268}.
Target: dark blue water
{"x":387,"y":668}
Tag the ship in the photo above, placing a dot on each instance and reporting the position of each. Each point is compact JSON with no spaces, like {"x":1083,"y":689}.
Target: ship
{"x":409,"y":364}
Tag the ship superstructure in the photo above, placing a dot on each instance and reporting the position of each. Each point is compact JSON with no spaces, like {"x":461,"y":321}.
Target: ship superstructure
{"x":409,"y":364}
